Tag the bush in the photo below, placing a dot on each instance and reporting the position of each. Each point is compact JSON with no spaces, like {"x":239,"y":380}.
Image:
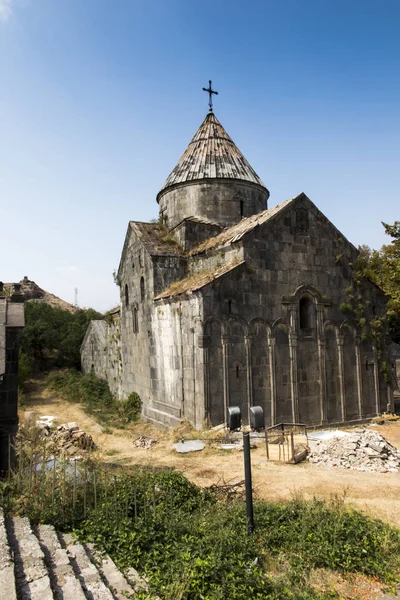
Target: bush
{"x":93,"y":393}
{"x":193,"y":547}
{"x":329,"y":535}
{"x":95,"y":396}
{"x":198,"y":547}
{"x":131,"y":408}
{"x":25,"y":365}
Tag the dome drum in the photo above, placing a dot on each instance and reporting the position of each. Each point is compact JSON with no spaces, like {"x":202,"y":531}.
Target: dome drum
{"x":224,"y":201}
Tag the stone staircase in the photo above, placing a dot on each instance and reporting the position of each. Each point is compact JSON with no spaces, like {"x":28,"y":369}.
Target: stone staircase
{"x":40,"y":564}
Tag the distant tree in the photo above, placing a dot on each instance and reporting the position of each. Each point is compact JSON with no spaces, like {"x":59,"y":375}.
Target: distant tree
{"x":52,"y":337}
{"x":383,"y":268}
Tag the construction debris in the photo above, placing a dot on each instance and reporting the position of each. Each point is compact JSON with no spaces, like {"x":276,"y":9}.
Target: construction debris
{"x":69,"y":439}
{"x":145,"y":442}
{"x":228,"y":491}
{"x":362,"y":450}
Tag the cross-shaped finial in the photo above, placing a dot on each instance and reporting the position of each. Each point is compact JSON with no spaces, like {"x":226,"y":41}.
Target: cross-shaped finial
{"x":211,"y":92}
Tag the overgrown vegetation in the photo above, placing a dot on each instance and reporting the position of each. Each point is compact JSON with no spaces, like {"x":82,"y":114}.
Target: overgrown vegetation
{"x":52,"y":337}
{"x":95,"y":397}
{"x":383,"y":268}
{"x":193,"y":547}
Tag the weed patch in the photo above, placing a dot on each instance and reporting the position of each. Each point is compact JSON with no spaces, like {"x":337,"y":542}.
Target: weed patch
{"x":192,"y":546}
{"x":95,"y":397}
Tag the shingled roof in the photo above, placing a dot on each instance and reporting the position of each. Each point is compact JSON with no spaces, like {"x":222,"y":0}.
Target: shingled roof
{"x":236,"y":232}
{"x":211,"y":154}
{"x":156,"y":239}
{"x":197,"y":281}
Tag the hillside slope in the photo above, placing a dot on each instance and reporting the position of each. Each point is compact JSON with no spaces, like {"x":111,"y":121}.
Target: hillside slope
{"x":31,"y":291}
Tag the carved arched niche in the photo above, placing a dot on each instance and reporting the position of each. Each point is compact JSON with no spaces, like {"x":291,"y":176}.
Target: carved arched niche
{"x":332,"y":374}
{"x":351,"y":373}
{"x":214,"y":372}
{"x":306,"y":314}
{"x":260,"y":340}
{"x":282,"y":373}
{"x":237,"y":366}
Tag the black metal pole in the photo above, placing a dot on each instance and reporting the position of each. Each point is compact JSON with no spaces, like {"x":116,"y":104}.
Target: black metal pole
{"x":247,"y":478}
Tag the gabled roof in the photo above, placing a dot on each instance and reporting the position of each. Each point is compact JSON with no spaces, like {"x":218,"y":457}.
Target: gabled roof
{"x":211,"y":154}
{"x":197,"y":281}
{"x":97,"y":327}
{"x":156,"y":239}
{"x":236,"y":232}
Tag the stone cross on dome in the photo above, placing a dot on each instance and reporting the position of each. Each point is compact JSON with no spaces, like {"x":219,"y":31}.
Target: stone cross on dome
{"x":210,"y":92}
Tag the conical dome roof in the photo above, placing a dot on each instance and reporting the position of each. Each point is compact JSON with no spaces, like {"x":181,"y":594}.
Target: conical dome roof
{"x":211,"y":154}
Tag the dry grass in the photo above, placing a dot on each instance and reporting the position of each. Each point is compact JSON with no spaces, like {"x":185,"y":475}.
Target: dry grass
{"x":375,"y":494}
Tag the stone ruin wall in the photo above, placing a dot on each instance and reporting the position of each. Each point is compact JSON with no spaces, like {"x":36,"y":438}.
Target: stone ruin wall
{"x":101,"y":352}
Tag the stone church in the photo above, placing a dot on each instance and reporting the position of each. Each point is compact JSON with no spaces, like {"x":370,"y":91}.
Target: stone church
{"x":226,"y":302}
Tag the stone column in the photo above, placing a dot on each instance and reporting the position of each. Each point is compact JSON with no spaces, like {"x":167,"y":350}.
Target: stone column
{"x":225,"y":350}
{"x":321,"y":361}
{"x":340,"y":344}
{"x":376,"y":381}
{"x":247,"y":342}
{"x":322,"y":381}
{"x":271,"y":353}
{"x":293,"y":377}
{"x":203,"y":341}
{"x":359,"y":376}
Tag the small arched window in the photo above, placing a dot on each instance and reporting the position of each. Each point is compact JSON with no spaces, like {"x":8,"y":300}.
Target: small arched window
{"x":307,"y":313}
{"x":126,"y":296}
{"x":241,"y":208}
{"x":142,"y":288}
{"x":135,"y":320}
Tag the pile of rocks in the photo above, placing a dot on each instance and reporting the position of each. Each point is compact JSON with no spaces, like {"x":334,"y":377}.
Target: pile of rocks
{"x":69,"y":439}
{"x":145,"y":442}
{"x":362,"y":450}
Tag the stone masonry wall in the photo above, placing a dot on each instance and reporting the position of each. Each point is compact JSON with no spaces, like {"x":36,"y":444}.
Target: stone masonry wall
{"x":189,"y":233}
{"x":315,"y":371}
{"x":176,"y":362}
{"x":152,"y":338}
{"x":221,"y":201}
{"x":101,"y":352}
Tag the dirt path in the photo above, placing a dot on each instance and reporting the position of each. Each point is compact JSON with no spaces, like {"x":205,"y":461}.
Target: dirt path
{"x":377,"y":494}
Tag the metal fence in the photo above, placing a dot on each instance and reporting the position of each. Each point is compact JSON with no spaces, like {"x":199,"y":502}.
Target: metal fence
{"x":67,"y":490}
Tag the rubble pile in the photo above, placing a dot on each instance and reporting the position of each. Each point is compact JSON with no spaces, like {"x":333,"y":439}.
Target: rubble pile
{"x":68,"y":439}
{"x":145,"y":442}
{"x":362,"y":450}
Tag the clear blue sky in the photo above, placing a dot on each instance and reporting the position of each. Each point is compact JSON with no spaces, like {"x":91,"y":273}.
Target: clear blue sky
{"x":99,"y":98}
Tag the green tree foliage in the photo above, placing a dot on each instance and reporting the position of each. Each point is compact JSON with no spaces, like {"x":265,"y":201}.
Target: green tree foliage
{"x":52,"y":337}
{"x":383,"y":268}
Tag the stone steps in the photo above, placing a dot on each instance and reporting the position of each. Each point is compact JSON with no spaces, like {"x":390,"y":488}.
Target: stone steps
{"x":41,"y":564}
